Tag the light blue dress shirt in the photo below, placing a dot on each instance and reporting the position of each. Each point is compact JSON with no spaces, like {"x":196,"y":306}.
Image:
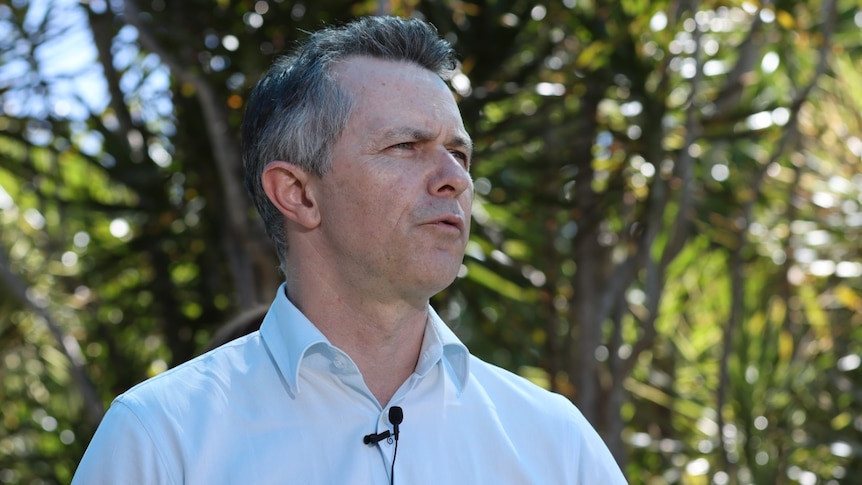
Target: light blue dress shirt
{"x":283,"y":406}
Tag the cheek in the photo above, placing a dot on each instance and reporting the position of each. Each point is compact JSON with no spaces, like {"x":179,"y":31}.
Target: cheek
{"x":375,"y":201}
{"x":466,"y":201}
{"x":376,"y":205}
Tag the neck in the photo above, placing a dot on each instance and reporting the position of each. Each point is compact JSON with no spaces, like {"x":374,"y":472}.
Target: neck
{"x":383,"y":338}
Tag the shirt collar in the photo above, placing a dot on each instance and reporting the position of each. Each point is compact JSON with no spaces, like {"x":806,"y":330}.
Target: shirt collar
{"x":440,"y":342}
{"x":289,"y":335}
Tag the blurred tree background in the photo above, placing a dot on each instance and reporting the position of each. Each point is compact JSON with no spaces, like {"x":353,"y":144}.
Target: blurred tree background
{"x":666,"y":228}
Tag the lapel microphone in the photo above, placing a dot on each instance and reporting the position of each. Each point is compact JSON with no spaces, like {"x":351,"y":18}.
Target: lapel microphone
{"x":396,"y":416}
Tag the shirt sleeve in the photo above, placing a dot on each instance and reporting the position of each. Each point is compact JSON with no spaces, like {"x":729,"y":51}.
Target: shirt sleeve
{"x":122,"y":452}
{"x":595,"y":463}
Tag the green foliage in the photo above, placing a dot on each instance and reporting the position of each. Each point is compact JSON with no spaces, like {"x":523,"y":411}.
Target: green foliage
{"x":668,"y":204}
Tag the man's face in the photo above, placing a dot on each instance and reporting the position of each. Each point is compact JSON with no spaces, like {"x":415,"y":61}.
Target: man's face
{"x":395,"y":203}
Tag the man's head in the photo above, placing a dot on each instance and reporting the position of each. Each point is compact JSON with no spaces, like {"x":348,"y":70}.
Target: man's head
{"x":298,"y":109}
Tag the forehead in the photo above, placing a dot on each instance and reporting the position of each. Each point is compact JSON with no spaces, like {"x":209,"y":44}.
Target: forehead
{"x":365,"y":72}
{"x":396,"y":91}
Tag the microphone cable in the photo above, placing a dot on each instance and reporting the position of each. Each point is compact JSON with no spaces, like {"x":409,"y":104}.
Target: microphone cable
{"x":396,"y":416}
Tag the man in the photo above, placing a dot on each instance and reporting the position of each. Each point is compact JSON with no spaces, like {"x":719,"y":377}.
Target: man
{"x":357,"y":158}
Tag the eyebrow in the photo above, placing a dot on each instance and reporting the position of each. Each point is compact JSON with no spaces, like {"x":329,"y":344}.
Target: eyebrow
{"x":418,"y":134}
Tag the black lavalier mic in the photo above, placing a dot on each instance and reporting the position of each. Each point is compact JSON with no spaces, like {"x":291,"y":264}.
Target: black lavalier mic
{"x":396,"y":416}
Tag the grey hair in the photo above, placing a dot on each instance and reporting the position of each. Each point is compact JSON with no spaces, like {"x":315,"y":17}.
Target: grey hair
{"x":297,"y":110}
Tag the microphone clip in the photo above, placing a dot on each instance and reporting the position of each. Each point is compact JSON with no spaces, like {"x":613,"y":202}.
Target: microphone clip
{"x":374,"y":438}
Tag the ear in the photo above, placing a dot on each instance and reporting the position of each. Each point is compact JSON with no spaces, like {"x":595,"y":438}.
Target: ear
{"x":287,"y":186}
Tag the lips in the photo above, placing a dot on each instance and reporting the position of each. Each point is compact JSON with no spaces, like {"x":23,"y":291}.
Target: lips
{"x":450,"y":220}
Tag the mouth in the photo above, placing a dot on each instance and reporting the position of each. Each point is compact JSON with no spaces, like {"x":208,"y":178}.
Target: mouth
{"x":449,"y":221}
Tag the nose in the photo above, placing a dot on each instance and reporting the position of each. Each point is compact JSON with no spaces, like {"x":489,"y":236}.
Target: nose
{"x":450,"y":178}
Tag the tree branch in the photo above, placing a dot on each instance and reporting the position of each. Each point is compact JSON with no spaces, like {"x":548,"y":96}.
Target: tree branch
{"x":93,"y":407}
{"x":226,"y":154}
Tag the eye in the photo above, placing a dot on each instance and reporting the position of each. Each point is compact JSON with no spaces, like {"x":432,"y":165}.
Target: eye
{"x":407,"y":145}
{"x":463,"y":157}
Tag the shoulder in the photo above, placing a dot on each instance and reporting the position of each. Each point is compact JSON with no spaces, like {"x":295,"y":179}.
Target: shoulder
{"x":520,"y":401}
{"x":207,"y":377}
{"x":153,"y":431}
{"x":527,"y":409}
{"x":506,"y":384}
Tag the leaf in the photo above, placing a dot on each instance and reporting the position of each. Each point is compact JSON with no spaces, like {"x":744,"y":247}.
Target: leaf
{"x":489,"y":279}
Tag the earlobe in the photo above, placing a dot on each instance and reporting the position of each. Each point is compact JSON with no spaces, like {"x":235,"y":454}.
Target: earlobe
{"x":287,"y":187}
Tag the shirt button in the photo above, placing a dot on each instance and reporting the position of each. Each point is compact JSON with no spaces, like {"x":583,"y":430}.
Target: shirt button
{"x":338,"y":363}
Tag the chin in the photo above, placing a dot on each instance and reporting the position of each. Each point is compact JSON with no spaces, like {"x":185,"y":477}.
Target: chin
{"x":442,"y":283}
{"x":430,"y":276}
{"x":425,"y":288}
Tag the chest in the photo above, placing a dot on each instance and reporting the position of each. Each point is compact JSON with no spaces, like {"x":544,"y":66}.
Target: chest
{"x":445,"y":438}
